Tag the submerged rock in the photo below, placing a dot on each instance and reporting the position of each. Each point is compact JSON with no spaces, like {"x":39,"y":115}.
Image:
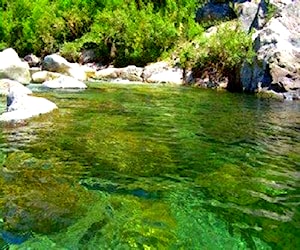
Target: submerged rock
{"x":13,"y":238}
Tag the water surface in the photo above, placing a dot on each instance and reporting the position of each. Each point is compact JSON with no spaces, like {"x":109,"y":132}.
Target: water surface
{"x":152,"y":167}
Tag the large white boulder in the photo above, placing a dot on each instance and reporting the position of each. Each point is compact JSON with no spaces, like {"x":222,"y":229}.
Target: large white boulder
{"x":21,"y":106}
{"x":64,"y":82}
{"x":154,"y":68}
{"x":131,"y":73}
{"x":12,"y":67}
{"x":6,"y":85}
{"x":172,"y":76}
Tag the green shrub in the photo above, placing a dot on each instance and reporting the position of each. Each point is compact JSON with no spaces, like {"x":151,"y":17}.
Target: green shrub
{"x":228,"y":47}
{"x":219,"y":55}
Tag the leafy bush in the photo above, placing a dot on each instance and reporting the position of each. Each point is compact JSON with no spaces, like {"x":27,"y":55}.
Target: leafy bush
{"x":227,"y":48}
{"x":220,"y":54}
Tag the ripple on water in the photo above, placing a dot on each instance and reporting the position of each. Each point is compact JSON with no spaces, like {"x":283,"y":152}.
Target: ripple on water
{"x":158,"y":167}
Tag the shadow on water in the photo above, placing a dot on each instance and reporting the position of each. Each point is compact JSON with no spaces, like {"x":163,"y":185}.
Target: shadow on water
{"x":147,"y":167}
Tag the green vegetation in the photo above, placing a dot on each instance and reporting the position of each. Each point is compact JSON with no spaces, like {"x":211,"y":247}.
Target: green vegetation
{"x":134,"y":32}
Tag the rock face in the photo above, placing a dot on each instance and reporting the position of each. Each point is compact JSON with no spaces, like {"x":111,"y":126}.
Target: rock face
{"x":12,"y":67}
{"x":21,"y":106}
{"x":252,"y":14}
{"x":64,"y":82}
{"x":277,"y":66}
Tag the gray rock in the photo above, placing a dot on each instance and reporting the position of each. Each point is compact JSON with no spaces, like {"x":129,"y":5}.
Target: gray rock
{"x":55,"y":63}
{"x":162,"y":72}
{"x":64,"y":82}
{"x":108,"y":73}
{"x":12,"y":67}
{"x":292,"y":95}
{"x":33,"y":70}
{"x":215,"y":12}
{"x":32,"y":60}
{"x":89,"y":56}
{"x":281,"y":3}
{"x":154,"y":68}
{"x":129,"y":73}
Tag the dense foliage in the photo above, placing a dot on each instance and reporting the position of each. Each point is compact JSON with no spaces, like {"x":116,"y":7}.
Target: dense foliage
{"x":139,"y":31}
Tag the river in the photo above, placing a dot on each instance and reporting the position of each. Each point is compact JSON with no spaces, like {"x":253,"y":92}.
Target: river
{"x":152,"y":167}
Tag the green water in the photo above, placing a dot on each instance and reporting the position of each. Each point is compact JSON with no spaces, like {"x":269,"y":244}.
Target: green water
{"x":147,"y":167}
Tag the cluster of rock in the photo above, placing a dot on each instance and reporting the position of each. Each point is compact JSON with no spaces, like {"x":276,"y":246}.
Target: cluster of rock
{"x":55,"y":72}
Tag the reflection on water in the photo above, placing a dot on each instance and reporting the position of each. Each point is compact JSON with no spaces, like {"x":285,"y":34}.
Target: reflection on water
{"x":145,"y":167}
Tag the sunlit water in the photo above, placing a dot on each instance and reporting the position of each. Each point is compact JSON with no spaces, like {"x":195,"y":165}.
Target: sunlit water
{"x":148,"y":167}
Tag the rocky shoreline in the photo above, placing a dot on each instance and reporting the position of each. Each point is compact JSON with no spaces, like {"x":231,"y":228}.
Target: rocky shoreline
{"x":55,"y":72}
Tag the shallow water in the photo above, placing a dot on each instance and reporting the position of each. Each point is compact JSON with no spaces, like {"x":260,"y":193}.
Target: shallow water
{"x":148,"y":167}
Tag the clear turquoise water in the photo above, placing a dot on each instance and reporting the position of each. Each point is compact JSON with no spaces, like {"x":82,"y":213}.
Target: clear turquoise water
{"x":148,"y":167}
